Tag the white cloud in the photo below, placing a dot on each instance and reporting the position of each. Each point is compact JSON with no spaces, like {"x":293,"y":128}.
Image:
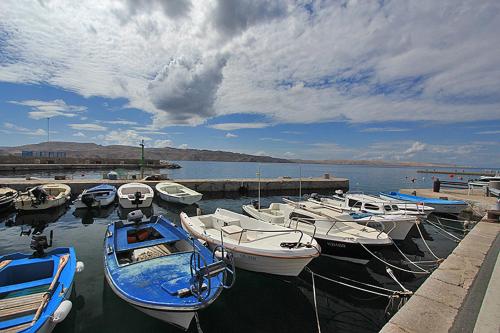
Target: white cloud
{"x":49,"y":109}
{"x":88,"y":127}
{"x":236,"y":126}
{"x":183,"y":146}
{"x":289,"y":154}
{"x":231,"y":135}
{"x":15,"y":129}
{"x":79,"y":134}
{"x":162,"y":143}
{"x":383,"y":129}
{"x":120,"y":122}
{"x":184,"y":62}
{"x":126,"y":138}
{"x":488,"y":132}
{"x":415,"y":148}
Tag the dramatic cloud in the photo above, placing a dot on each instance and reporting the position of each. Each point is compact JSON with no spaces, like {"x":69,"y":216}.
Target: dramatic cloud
{"x":236,"y":126}
{"x":88,"y":127}
{"x":49,"y":109}
{"x":183,"y":62}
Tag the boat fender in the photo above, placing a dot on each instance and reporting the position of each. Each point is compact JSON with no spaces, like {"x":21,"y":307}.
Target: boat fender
{"x":62,"y":311}
{"x":80,"y":266}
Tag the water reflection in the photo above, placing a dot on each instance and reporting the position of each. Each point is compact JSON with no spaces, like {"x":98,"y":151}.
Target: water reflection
{"x":87,"y":215}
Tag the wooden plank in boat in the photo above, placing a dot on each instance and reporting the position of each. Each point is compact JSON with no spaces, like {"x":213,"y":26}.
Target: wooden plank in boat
{"x":12,"y":307}
{"x":15,"y":329}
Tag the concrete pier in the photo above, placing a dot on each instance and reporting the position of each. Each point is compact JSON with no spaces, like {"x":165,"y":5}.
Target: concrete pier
{"x":443,"y":302}
{"x":210,"y":187}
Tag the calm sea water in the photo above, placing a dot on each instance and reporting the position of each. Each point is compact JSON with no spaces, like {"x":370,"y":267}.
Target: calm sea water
{"x":257,"y":303}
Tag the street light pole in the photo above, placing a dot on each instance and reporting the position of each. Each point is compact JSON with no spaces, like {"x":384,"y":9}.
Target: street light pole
{"x":48,"y":129}
{"x":142,"y":158}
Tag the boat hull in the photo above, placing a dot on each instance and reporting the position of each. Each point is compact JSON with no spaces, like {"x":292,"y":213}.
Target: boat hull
{"x":180,"y":319}
{"x":187,"y":200}
{"x":28,"y":206}
{"x":396,"y":229}
{"x":439,"y":208}
{"x":352,"y":252}
{"x":99,"y":203}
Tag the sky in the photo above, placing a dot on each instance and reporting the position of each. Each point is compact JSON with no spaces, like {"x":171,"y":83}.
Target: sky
{"x":392,"y":80}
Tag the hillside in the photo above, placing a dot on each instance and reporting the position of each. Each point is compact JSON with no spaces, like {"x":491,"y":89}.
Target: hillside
{"x":92,"y":150}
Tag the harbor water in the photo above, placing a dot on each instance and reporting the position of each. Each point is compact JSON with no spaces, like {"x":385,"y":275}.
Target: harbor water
{"x":257,"y":302}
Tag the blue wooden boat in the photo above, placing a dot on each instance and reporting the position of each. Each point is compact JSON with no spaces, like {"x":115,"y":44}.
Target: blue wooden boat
{"x":35,"y":288}
{"x":159,"y":269}
{"x":440,"y":205}
{"x":97,"y":196}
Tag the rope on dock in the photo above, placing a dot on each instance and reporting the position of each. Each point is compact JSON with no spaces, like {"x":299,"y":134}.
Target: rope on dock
{"x":315,"y":303}
{"x":453,"y":237}
{"x":427,"y":246}
{"x":391,"y":265}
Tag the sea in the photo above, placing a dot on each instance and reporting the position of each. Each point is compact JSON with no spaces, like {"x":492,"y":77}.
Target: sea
{"x":257,"y":302}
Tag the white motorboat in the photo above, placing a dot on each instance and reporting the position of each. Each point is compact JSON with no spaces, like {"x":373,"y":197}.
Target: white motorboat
{"x":43,"y":197}
{"x":97,"y":196}
{"x":358,"y":202}
{"x":135,"y":195}
{"x":7,"y":197}
{"x":339,"y":235}
{"x":177,"y":193}
{"x":442,"y":206}
{"x":256,"y":245}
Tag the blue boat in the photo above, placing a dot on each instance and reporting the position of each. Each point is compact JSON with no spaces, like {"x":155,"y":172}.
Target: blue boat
{"x":35,"y":288}
{"x":97,"y":196}
{"x":442,"y":206}
{"x":159,"y":269}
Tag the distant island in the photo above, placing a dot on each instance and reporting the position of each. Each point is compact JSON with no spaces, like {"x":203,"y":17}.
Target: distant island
{"x":77,"y":150}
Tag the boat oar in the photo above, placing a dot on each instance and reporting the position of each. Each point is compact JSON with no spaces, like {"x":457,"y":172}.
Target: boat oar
{"x":5,"y":263}
{"x":62,"y":262}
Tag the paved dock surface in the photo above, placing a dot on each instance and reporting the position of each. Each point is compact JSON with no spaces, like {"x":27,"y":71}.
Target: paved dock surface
{"x":461,"y":290}
{"x":211,"y":187}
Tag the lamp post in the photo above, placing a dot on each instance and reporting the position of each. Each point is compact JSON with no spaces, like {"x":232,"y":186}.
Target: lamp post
{"x":142,"y":158}
{"x":48,"y":129}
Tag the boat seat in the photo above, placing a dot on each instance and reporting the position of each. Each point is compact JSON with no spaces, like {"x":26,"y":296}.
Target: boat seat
{"x":19,"y":306}
{"x":232,"y":231}
{"x":122,"y":243}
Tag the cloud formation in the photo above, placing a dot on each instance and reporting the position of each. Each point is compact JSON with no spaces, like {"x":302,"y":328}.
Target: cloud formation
{"x":88,"y":127}
{"x":50,"y":109}
{"x":236,"y":126}
{"x":184,"y":62}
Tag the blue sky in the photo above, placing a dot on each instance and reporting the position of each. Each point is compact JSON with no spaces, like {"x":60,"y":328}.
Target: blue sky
{"x":294,"y":79}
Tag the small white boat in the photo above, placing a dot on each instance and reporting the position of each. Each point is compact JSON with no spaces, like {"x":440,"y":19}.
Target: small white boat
{"x":43,"y":197}
{"x":97,"y":196}
{"x":441,"y":206}
{"x":257,"y":246}
{"x":358,"y":202}
{"x":135,"y":195}
{"x":7,"y":197}
{"x":339,"y":236}
{"x":177,"y":193}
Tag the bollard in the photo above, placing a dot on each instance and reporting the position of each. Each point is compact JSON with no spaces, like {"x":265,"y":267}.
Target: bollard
{"x":436,"y":185}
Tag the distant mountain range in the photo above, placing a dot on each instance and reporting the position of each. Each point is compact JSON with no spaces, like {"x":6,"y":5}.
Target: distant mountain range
{"x":92,"y":150}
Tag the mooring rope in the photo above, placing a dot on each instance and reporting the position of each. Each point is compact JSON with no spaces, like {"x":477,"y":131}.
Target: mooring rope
{"x":456,"y":239}
{"x":391,"y":265}
{"x":427,"y":246}
{"x":198,"y":326}
{"x":315,"y":303}
{"x":408,"y":259}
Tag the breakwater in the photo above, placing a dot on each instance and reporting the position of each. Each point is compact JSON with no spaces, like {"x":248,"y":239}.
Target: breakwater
{"x":211,"y":187}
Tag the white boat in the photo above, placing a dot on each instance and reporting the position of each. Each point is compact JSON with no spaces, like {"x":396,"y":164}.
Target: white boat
{"x":358,"y":202}
{"x":365,"y":210}
{"x":97,"y":196}
{"x":135,"y":195}
{"x":7,"y":197}
{"x":43,"y":197}
{"x":257,"y":246}
{"x":177,"y":193}
{"x":340,"y":236}
{"x":441,"y":206}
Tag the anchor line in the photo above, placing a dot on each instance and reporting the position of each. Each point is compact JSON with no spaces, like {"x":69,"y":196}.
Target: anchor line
{"x":391,"y":265}
{"x":408,"y":259}
{"x":456,"y":239}
{"x":428,"y":247}
{"x":315,"y":303}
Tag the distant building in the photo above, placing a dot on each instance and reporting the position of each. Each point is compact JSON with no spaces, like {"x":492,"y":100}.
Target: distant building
{"x":56,"y":154}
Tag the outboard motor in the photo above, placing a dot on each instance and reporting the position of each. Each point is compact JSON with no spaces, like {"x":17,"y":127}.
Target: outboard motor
{"x":135,"y":216}
{"x":88,"y":200}
{"x":137,"y":198}
{"x":255,"y":204}
{"x":39,"y":243}
{"x":40,"y":195}
{"x":340,"y":193}
{"x":315,"y":196}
